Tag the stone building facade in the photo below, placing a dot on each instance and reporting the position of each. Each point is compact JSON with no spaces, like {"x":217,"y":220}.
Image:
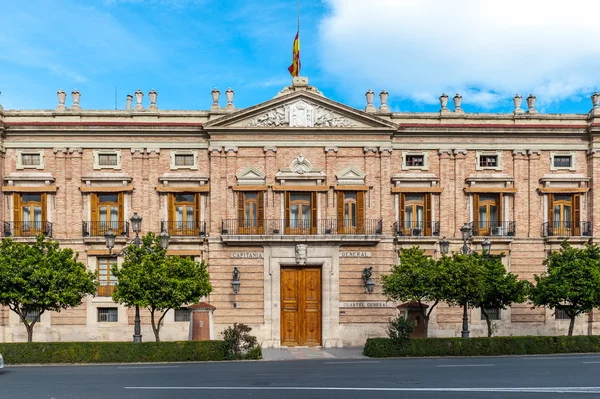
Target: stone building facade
{"x":301,"y":194}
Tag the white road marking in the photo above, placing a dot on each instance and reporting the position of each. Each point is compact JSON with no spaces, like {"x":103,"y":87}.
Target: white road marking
{"x":566,"y":357}
{"x":590,"y":362}
{"x":376,"y":389}
{"x":147,"y":367}
{"x":354,"y":362}
{"x":464,"y":365}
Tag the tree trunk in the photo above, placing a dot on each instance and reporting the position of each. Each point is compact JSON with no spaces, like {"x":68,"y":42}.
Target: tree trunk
{"x":425,"y":325}
{"x":571,"y":325}
{"x":426,"y":317}
{"x":488,"y":321}
{"x":29,"y":328}
{"x":155,"y":328}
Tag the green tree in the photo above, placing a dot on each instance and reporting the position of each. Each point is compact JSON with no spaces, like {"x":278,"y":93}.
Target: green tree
{"x":501,"y":289}
{"x":151,"y":279}
{"x":41,"y":277}
{"x":571,"y":282}
{"x":418,"y":278}
{"x":466,"y":283}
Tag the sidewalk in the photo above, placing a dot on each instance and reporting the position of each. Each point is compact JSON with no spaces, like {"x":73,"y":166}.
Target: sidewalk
{"x":305,"y":353}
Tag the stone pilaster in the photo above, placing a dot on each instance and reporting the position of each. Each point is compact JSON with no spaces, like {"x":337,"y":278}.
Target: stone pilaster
{"x":594,"y":193}
{"x":229,"y":180}
{"x":386,"y":198}
{"x":74,"y":204}
{"x":373,"y":209}
{"x":216,"y":206}
{"x":61,"y":218}
{"x":154,"y":216}
{"x":447,"y":199}
{"x":329,"y":210}
{"x":461,"y":212}
{"x":138,"y":194}
{"x":270,"y":166}
{"x":521,"y":197}
{"x":536,"y":212}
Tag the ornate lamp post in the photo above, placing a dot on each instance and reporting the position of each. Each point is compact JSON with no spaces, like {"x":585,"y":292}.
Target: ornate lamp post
{"x":466,"y":232}
{"x":110,"y":237}
{"x":444,"y":246}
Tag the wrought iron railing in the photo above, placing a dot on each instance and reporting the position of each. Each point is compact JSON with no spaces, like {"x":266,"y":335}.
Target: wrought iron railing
{"x":98,"y":228}
{"x":417,"y":229}
{"x":492,"y":228}
{"x":300,"y":226}
{"x":188,"y":228}
{"x":566,"y":229}
{"x":27,"y":229}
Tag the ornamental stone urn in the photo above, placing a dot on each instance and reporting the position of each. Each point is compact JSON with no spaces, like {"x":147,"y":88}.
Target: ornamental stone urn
{"x":61,"y":100}
{"x":444,"y":103}
{"x":531,"y":104}
{"x":370,"y":95}
{"x":383,"y":97}
{"x":457,"y":103}
{"x":138,"y":100}
{"x":595,"y":99}
{"x":153,"y":95}
{"x":215,"y":99}
{"x":517,"y":100}
{"x":128,"y":102}
{"x":76,"y":95}
{"x":229,"y":96}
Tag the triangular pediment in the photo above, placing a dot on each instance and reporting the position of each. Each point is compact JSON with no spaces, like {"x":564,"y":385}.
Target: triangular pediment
{"x":250,"y":175}
{"x":300,"y":110}
{"x":351,"y":175}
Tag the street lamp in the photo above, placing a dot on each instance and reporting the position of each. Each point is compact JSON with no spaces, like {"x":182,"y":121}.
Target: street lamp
{"x":444,"y":246}
{"x":466,"y":231}
{"x":486,"y":246}
{"x":236,"y":281}
{"x":367,"y":280}
{"x":110,"y":237}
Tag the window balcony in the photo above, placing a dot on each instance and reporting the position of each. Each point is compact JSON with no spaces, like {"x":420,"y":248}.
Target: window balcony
{"x":97,"y":229}
{"x":566,"y":229}
{"x":417,"y":229}
{"x":493,"y":228}
{"x":184,"y":229}
{"x":27,"y":229}
{"x":291,"y":227}
{"x":106,"y":290}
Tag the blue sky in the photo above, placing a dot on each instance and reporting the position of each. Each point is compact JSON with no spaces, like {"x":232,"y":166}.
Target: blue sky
{"x":487,"y":51}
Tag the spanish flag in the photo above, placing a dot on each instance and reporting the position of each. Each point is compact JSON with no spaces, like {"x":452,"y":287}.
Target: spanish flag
{"x":295,"y":67}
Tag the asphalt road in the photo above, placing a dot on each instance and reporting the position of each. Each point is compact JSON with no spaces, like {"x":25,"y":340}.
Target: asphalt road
{"x":492,"y":377}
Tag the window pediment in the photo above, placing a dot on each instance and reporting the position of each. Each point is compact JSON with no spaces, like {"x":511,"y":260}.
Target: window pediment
{"x":250,"y":176}
{"x":490,"y":180}
{"x":351,"y":176}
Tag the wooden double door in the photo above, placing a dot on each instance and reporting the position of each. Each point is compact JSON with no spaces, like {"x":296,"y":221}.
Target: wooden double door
{"x":300,"y":306}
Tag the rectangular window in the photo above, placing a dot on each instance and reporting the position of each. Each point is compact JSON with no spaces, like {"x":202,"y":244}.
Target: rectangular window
{"x":493,"y":313}
{"x":415,"y":214}
{"x":107,"y":281}
{"x":564,"y":217}
{"x":562,"y":161}
{"x":415,"y":160}
{"x":350,"y":213}
{"x":33,"y":315}
{"x":184,"y":160}
{"x":30,"y":159}
{"x":182,"y":314}
{"x":107,"y":210}
{"x":251,"y":212}
{"x":30,"y":214}
{"x":487,"y":215}
{"x":184,"y":214}
{"x":301,"y":212}
{"x":110,"y":315}
{"x":488,"y":161}
{"x":560,"y":314}
{"x":108,"y":159}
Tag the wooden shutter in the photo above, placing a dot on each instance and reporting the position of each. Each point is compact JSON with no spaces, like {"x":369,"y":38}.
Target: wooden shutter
{"x":94,"y":227}
{"x":501,"y":209}
{"x":260,"y":219}
{"x":340,"y":212}
{"x":44,"y":210}
{"x":121,"y":212}
{"x":197,"y":206}
{"x":576,"y":214}
{"x":550,"y":210}
{"x":360,"y":212}
{"x":17,"y":214}
{"x":286,"y":216}
{"x":171,"y":213}
{"x":476,"y":214}
{"x":401,"y":214}
{"x":427,"y":206}
{"x":313,"y":212}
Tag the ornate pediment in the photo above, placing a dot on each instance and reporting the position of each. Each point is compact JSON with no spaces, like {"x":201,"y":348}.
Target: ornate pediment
{"x":251,"y":175}
{"x":351,"y":175}
{"x":300,"y":110}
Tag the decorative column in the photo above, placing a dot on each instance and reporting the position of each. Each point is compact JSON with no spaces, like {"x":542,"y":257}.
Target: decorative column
{"x":229,"y":180}
{"x":329,"y":211}
{"x":535,"y":217}
{"x":447,"y":196}
{"x":137,"y":164}
{"x":76,"y":95}
{"x":73,"y":205}
{"x":372,"y":206}
{"x":153,"y":201}
{"x":61,"y":100}
{"x":521,"y":197}
{"x":386,"y":199}
{"x":153,"y":95}
{"x":517,"y":100}
{"x":61,"y":219}
{"x":370,"y":107}
{"x":270,"y":171}
{"x":461,"y":208}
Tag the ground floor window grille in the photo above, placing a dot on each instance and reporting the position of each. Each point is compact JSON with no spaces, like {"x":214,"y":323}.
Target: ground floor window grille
{"x":182,"y":315}
{"x":108,"y":315}
{"x":493,"y":314}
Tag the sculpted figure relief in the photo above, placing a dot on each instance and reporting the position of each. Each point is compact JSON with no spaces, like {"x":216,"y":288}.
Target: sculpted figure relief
{"x":301,"y":254}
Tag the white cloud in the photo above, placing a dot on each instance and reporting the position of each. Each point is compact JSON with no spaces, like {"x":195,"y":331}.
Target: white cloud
{"x":486,"y":50}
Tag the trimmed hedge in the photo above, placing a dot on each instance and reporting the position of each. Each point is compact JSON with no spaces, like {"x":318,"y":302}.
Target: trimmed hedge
{"x":116,"y":352}
{"x":495,"y":346}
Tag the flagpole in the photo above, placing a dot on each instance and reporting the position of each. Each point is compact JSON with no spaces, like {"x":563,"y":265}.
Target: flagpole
{"x":298,"y":16}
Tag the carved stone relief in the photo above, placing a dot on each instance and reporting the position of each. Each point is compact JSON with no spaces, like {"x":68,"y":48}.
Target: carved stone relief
{"x":300,"y":114}
{"x":301,"y":254}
